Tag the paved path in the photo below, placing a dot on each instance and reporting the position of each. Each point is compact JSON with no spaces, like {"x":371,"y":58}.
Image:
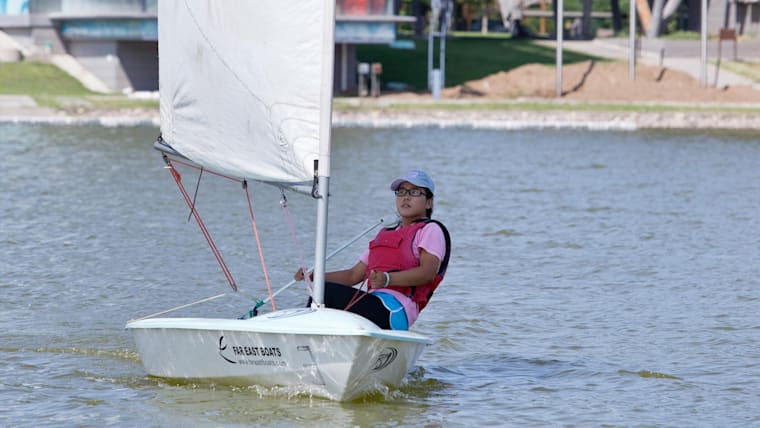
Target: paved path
{"x":10,"y":102}
{"x":682,"y":55}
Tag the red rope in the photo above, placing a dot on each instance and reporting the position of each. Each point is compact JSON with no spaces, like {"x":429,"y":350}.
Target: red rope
{"x":359,"y":293}
{"x":258,"y":245}
{"x":206,"y":234}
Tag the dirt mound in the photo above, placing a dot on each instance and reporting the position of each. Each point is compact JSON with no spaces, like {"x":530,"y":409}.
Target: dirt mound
{"x":599,"y":81}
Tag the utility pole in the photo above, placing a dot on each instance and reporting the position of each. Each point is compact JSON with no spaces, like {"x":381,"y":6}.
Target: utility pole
{"x":559,"y":27}
{"x":441,"y":17}
{"x":632,"y":41}
{"x":703,"y":22}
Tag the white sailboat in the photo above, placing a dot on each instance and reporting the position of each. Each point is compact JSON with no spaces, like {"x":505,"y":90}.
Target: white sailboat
{"x":246,"y":91}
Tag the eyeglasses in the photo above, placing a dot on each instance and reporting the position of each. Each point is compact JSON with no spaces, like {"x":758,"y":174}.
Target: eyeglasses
{"x":411,"y":192}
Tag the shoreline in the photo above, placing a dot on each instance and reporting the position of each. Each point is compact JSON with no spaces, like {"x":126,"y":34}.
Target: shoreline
{"x":556,"y":119}
{"x":379,"y":116}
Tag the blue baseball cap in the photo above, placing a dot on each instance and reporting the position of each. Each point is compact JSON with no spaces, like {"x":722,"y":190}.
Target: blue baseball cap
{"x":416,"y":177}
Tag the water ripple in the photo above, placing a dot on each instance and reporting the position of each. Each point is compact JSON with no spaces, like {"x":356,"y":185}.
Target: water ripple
{"x":596,"y":279}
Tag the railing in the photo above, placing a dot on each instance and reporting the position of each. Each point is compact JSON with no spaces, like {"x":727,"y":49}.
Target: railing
{"x":567,"y":14}
{"x":92,"y":7}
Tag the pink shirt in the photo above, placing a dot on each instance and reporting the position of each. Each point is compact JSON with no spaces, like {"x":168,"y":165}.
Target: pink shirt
{"x":431,"y":239}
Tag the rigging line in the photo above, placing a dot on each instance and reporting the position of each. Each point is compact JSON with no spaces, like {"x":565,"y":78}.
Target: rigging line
{"x":195,"y":195}
{"x":258,"y":244}
{"x":191,"y":165}
{"x":178,"y":179}
{"x":360,"y":293}
{"x":261,"y":303}
{"x":207,"y":299}
{"x":204,"y":230}
{"x":299,"y":249}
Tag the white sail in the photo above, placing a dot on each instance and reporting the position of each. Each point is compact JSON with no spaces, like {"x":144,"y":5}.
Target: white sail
{"x":240,"y":84}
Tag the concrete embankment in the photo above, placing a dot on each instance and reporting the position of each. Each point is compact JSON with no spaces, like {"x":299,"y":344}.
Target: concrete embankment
{"x":23,"y":109}
{"x":564,"y":118}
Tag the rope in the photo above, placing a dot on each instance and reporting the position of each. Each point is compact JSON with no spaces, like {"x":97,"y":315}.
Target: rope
{"x":195,"y":195}
{"x":296,"y":244}
{"x":258,"y":244}
{"x":207,"y":299}
{"x":206,"y":234}
{"x":359,"y":293}
{"x":261,"y":303}
{"x":191,"y":165}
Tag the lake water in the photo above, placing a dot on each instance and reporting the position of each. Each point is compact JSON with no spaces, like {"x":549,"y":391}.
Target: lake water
{"x":596,"y":279}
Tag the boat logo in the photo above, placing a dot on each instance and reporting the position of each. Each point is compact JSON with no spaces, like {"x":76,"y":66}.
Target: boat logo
{"x":386,"y":357}
{"x":222,"y":348}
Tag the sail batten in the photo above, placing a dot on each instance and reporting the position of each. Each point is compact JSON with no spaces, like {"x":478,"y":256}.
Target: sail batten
{"x":240,"y":86}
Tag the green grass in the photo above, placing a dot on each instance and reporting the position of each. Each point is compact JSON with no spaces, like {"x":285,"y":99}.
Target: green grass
{"x":52,"y":87}
{"x":750,"y":70}
{"x":682,"y":35}
{"x":467,"y":58}
{"x":120,"y":102}
{"x":38,"y":80}
{"x":542,"y":106}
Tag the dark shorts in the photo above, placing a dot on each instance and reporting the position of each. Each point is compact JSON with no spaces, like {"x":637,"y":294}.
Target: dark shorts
{"x":386,"y":312}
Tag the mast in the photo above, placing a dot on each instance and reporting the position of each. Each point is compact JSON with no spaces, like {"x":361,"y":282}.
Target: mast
{"x":325,"y":128}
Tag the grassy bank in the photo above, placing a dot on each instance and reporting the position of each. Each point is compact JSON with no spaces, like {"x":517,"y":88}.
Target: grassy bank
{"x":51,"y":87}
{"x":468,"y":58}
{"x":38,"y":79}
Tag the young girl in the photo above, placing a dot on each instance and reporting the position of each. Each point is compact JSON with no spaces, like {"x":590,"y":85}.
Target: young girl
{"x":403,"y":264}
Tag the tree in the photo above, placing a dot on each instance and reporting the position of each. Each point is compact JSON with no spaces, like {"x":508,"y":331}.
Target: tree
{"x":662,"y":12}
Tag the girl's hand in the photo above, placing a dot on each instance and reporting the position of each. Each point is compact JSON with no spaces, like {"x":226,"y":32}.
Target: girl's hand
{"x":378,"y":279}
{"x":299,"y":275}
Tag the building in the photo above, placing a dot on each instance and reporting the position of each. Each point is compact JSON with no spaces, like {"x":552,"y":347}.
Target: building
{"x":740,"y":15}
{"x":116,"y":41}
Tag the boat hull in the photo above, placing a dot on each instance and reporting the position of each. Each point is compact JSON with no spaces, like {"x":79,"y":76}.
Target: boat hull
{"x":326,"y":352}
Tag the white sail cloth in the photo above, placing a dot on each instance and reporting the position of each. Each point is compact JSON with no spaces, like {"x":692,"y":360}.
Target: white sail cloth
{"x":239,"y":85}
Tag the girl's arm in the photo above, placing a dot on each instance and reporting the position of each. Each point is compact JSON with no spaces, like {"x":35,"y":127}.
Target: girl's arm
{"x":421,"y":274}
{"x":347,"y":277}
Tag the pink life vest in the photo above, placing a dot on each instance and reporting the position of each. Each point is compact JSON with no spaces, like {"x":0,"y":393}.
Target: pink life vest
{"x":392,"y":251}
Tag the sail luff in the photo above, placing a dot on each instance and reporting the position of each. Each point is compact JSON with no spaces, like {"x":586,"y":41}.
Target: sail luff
{"x":325,"y":132}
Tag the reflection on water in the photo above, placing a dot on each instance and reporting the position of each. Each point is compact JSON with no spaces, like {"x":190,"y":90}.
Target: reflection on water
{"x":596,"y":278}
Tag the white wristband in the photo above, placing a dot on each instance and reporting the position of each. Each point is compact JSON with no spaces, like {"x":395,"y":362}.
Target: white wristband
{"x":387,"y":279}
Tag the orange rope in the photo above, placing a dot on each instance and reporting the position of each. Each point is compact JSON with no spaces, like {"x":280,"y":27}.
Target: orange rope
{"x":205,"y":232}
{"x":258,"y":244}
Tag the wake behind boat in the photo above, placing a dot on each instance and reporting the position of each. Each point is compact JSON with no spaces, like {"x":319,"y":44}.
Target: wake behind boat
{"x":254,"y":102}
